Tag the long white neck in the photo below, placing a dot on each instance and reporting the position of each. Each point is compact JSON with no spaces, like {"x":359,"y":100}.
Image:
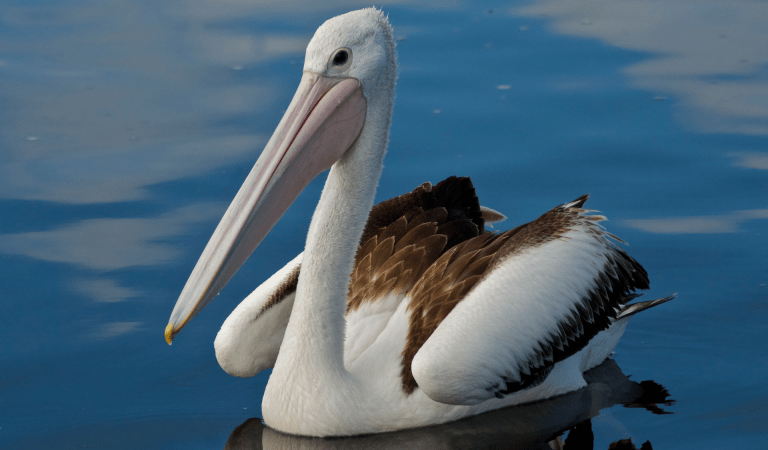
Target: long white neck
{"x":332,"y":241}
{"x":311,"y":358}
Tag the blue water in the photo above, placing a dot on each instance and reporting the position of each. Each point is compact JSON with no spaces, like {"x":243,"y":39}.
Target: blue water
{"x":126,"y":129}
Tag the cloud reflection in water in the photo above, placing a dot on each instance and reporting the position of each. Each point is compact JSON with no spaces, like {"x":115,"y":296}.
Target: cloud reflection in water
{"x":751,"y":160}
{"x":725,"y":223}
{"x":114,"y":329}
{"x":104,"y":290}
{"x":110,"y":244}
{"x":709,"y":55}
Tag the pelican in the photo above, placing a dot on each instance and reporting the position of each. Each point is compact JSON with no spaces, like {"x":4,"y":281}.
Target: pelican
{"x":410,"y":312}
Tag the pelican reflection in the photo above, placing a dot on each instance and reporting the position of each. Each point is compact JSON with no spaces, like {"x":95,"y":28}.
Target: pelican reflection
{"x":539,"y":425}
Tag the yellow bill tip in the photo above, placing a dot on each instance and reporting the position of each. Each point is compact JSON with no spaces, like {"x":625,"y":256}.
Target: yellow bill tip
{"x":169,"y":333}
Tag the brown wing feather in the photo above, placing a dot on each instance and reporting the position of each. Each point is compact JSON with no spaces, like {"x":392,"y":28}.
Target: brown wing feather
{"x":405,"y":235}
{"x":457,"y":271}
{"x":613,"y":288}
{"x":287,"y":286}
{"x":442,"y":286}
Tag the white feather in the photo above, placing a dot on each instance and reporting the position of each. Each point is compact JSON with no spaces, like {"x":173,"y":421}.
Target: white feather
{"x":366,"y":323}
{"x":250,"y":338}
{"x":493,"y":332}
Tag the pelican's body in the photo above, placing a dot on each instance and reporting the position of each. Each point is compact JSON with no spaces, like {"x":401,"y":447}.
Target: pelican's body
{"x":409,"y":313}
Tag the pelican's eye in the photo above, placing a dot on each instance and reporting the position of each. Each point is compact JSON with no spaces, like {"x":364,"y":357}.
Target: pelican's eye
{"x":340,"y":60}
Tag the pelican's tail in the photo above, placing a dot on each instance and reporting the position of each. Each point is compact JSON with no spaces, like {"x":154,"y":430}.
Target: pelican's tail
{"x":634,"y":308}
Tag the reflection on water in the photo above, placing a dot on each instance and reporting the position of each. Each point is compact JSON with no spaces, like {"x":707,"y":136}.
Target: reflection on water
{"x":145,"y":94}
{"x":711,"y":55}
{"x":752,"y":160}
{"x":111,"y":330}
{"x":104,"y":290}
{"x":531,"y":426}
{"x":726,"y":223}
{"x":128,"y":242}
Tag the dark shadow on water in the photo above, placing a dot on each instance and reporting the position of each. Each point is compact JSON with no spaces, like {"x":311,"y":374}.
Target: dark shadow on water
{"x":539,"y":425}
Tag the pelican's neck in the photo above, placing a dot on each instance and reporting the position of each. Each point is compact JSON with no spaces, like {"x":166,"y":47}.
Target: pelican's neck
{"x":313,"y":346}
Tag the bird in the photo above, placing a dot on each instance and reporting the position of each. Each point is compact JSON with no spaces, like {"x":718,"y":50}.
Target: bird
{"x":410,"y":312}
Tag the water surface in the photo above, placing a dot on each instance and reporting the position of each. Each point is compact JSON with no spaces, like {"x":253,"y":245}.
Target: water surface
{"x":126,"y":129}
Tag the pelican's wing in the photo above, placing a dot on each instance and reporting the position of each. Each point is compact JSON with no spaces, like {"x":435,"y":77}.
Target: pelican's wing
{"x":496,"y":313}
{"x":250,"y":338}
{"x":402,"y":238}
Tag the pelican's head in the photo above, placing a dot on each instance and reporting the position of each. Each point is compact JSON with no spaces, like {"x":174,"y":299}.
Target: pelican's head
{"x":345,"y":97}
{"x":359,"y":45}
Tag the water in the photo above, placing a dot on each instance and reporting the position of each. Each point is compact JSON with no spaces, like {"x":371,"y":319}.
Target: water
{"x":126,"y":129}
